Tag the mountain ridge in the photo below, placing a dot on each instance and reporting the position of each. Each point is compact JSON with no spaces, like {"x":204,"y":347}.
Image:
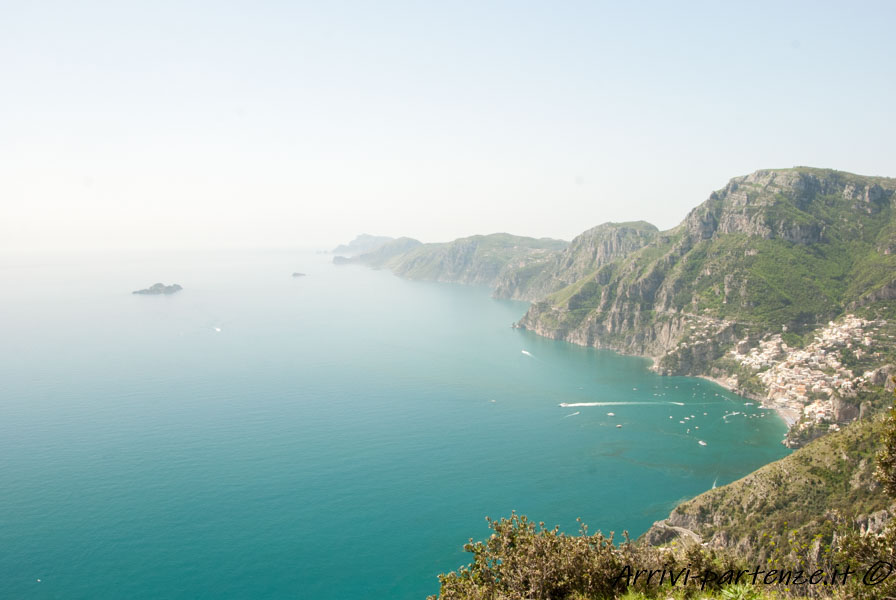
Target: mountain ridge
{"x":779,"y":286}
{"x":777,"y":252}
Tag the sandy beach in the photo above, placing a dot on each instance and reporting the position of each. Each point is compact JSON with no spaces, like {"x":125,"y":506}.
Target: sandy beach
{"x":789,"y":415}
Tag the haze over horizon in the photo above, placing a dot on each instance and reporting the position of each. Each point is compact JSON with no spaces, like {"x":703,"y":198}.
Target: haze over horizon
{"x":166,"y":126}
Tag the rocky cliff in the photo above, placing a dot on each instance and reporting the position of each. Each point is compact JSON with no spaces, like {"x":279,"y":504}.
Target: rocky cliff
{"x":582,"y":258}
{"x":516,"y":267}
{"x":790,"y":247}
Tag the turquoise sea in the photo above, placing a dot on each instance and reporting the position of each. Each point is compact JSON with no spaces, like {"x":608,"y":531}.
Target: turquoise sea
{"x":334,"y":436}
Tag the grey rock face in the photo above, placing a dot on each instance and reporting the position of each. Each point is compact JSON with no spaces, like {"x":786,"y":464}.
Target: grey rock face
{"x":650,"y":302}
{"x":661,"y":533}
{"x":584,"y":257}
{"x":844,"y":411}
{"x":874,"y":523}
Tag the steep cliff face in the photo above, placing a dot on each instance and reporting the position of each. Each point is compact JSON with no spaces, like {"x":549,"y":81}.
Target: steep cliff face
{"x":583,"y":257}
{"x":771,"y":249}
{"x":516,"y":267}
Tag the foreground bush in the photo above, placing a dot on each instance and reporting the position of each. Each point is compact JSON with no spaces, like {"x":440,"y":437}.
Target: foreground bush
{"x":525,"y":561}
{"x":522,"y":561}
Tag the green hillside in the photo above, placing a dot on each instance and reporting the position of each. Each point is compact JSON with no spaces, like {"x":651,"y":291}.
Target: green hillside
{"x":587,"y":253}
{"x":789,"y":247}
{"x":782,"y":283}
{"x":804,"y":498}
{"x":479,"y":259}
{"x":476,"y":260}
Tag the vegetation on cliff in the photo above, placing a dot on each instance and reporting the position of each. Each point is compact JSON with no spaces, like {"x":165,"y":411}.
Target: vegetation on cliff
{"x":776,"y":250}
{"x":766,"y":261}
{"x":587,"y":253}
{"x":788,"y":247}
{"x":477,"y":260}
{"x":804,"y":498}
{"x":522,"y":560}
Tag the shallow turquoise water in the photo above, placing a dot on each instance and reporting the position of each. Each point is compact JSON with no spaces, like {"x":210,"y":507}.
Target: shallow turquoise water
{"x":335,"y":436}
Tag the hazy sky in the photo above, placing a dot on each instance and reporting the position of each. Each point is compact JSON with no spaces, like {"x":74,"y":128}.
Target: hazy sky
{"x":172,"y":124}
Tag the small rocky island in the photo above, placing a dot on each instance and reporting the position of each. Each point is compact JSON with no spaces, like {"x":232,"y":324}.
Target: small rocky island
{"x":160,"y":288}
{"x":297,"y":274}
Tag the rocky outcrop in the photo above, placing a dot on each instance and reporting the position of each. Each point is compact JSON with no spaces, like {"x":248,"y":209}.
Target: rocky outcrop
{"x":880,"y":375}
{"x":845,"y":410}
{"x":761,"y":203}
{"x":662,"y":533}
{"x":873,"y":523}
{"x":885,"y":292}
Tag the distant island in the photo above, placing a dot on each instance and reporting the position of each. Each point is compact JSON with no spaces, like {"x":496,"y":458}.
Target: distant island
{"x":160,"y":288}
{"x":297,"y":274}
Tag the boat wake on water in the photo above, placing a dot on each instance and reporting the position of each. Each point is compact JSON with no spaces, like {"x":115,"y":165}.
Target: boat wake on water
{"x":576,"y":404}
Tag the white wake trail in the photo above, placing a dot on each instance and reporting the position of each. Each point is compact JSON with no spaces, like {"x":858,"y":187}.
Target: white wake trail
{"x":575,"y":404}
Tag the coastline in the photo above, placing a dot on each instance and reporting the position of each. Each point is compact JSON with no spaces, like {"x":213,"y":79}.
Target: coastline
{"x":788,"y":415}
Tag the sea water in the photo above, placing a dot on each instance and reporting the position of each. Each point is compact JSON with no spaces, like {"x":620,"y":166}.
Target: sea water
{"x":338,"y":435}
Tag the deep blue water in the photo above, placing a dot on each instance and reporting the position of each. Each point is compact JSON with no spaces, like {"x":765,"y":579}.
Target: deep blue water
{"x":335,"y":436}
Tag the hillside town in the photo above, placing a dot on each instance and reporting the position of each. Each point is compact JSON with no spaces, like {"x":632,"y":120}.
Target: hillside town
{"x":805,"y":385}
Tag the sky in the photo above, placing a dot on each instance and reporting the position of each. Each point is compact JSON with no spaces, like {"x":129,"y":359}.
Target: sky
{"x":167,"y":125}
